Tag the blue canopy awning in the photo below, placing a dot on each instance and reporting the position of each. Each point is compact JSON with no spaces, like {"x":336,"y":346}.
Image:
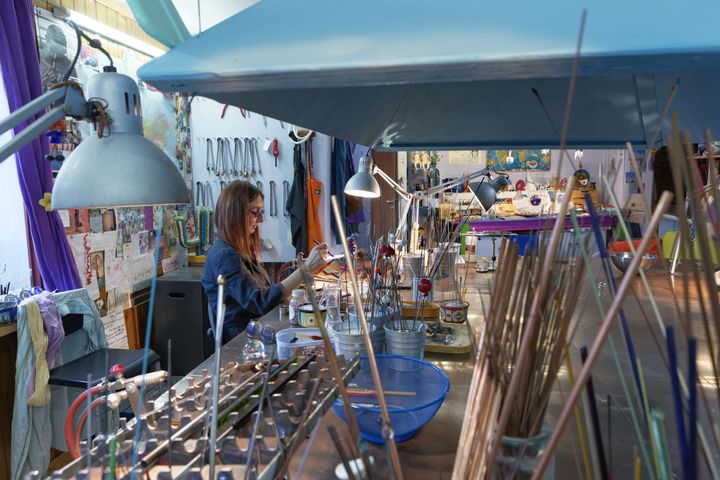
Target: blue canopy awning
{"x":460,"y":74}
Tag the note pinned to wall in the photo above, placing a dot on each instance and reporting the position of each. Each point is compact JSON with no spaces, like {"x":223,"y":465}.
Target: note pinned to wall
{"x":104,"y":241}
{"x":115,"y":331}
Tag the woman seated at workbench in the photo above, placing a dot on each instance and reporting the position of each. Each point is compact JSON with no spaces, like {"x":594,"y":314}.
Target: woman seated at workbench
{"x":235,"y":254}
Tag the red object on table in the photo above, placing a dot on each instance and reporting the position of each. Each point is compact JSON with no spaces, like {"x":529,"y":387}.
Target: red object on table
{"x":624,"y":246}
{"x":424,"y":285}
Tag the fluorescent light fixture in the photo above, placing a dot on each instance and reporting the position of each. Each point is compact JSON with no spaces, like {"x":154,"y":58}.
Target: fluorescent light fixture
{"x":99,"y":28}
{"x":363,"y":183}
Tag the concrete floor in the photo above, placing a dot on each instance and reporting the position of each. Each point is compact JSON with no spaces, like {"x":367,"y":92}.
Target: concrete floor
{"x":430,"y":455}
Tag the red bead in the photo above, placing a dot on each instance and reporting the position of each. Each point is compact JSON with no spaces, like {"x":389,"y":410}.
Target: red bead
{"x":383,"y":250}
{"x":390,"y":252}
{"x":424,"y":285}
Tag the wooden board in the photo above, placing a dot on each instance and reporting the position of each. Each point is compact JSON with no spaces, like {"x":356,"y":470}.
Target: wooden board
{"x":463,"y":340}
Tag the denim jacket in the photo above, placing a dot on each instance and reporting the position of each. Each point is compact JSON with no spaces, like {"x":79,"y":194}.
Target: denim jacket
{"x":249,"y":293}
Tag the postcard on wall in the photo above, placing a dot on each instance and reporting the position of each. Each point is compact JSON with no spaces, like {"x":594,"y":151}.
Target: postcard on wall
{"x":96,"y":221}
{"x":467,"y":157}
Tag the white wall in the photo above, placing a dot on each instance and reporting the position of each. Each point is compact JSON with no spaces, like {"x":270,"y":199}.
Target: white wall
{"x":206,"y":122}
{"x":14,"y":260}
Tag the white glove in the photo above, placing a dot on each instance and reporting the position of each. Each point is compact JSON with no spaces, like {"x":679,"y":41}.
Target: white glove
{"x":316,"y":259}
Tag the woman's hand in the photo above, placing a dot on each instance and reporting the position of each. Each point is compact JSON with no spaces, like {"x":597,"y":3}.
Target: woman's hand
{"x":316,"y":258}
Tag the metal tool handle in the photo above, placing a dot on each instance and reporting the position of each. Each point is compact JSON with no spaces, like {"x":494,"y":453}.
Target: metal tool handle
{"x":237,"y":157}
{"x":273,"y":199}
{"x":286,"y":196}
{"x":209,"y":156}
{"x":257,"y":154}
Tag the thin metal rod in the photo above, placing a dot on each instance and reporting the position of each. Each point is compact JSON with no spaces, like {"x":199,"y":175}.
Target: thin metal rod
{"x":332,"y":358}
{"x":387,"y":426}
{"x":216,"y":377}
{"x":88,"y":422}
{"x":169,"y":407}
{"x":601,"y":335}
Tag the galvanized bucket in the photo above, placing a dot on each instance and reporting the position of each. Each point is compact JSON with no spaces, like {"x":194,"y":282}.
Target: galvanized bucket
{"x":405,"y":337}
{"x":349,"y":341}
{"x":379,"y":318}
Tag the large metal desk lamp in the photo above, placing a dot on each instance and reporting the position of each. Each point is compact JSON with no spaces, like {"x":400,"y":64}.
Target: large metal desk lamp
{"x":363,"y":184}
{"x":115,"y":167}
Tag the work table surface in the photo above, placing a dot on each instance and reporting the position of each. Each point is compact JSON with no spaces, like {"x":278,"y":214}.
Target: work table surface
{"x":430,"y":454}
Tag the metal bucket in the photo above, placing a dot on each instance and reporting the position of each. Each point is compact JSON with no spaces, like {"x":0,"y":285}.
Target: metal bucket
{"x":378,"y":319}
{"x":410,"y":342}
{"x":349,"y":341}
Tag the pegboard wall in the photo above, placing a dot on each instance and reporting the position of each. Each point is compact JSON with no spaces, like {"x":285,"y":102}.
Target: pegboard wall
{"x":208,"y":121}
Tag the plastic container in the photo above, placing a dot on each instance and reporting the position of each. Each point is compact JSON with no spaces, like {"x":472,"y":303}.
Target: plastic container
{"x":286,"y":348}
{"x":405,"y":337}
{"x":425,"y":382}
{"x":297,"y":299}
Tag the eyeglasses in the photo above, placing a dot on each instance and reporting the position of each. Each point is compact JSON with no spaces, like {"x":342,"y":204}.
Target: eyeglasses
{"x":257,"y":213}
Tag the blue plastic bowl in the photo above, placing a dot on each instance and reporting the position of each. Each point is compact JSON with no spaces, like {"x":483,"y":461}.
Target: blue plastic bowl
{"x":408,"y":413}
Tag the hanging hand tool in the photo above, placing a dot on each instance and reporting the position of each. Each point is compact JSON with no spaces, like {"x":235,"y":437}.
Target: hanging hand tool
{"x":259,"y":185}
{"x":273,"y":199}
{"x":249,"y":155}
{"x":208,"y":199}
{"x":237,"y":157}
{"x":245,"y":172}
{"x":199,"y":194}
{"x":209,"y":156}
{"x":275,"y":150}
{"x":256,"y":152}
{"x":228,"y":155}
{"x":286,"y":195}
{"x":220,"y":158}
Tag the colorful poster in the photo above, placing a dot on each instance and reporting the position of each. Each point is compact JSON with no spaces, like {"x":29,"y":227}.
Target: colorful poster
{"x":518,"y":160}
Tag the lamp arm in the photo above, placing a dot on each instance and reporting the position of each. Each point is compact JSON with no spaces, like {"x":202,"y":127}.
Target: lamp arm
{"x":66,"y":100}
{"x":393,"y":184}
{"x":456,"y":182}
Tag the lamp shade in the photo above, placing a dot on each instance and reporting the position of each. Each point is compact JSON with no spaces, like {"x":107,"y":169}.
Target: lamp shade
{"x":123,"y":168}
{"x":363,"y":184}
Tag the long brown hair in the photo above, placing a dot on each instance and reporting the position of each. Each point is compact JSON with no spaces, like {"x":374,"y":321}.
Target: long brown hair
{"x":232,"y":221}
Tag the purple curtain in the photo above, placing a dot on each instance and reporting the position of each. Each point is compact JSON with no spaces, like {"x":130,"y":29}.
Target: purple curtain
{"x":21,"y":75}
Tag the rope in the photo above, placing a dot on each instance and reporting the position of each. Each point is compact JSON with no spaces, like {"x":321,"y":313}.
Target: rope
{"x":41,"y":395}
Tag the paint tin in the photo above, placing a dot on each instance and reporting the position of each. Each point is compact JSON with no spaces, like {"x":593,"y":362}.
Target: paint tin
{"x":306,"y":316}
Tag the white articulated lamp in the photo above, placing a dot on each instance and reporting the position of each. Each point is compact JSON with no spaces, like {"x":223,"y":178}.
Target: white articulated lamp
{"x":364,"y":185}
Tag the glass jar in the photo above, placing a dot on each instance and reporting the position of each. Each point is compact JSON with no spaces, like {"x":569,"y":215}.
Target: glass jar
{"x":297,"y":299}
